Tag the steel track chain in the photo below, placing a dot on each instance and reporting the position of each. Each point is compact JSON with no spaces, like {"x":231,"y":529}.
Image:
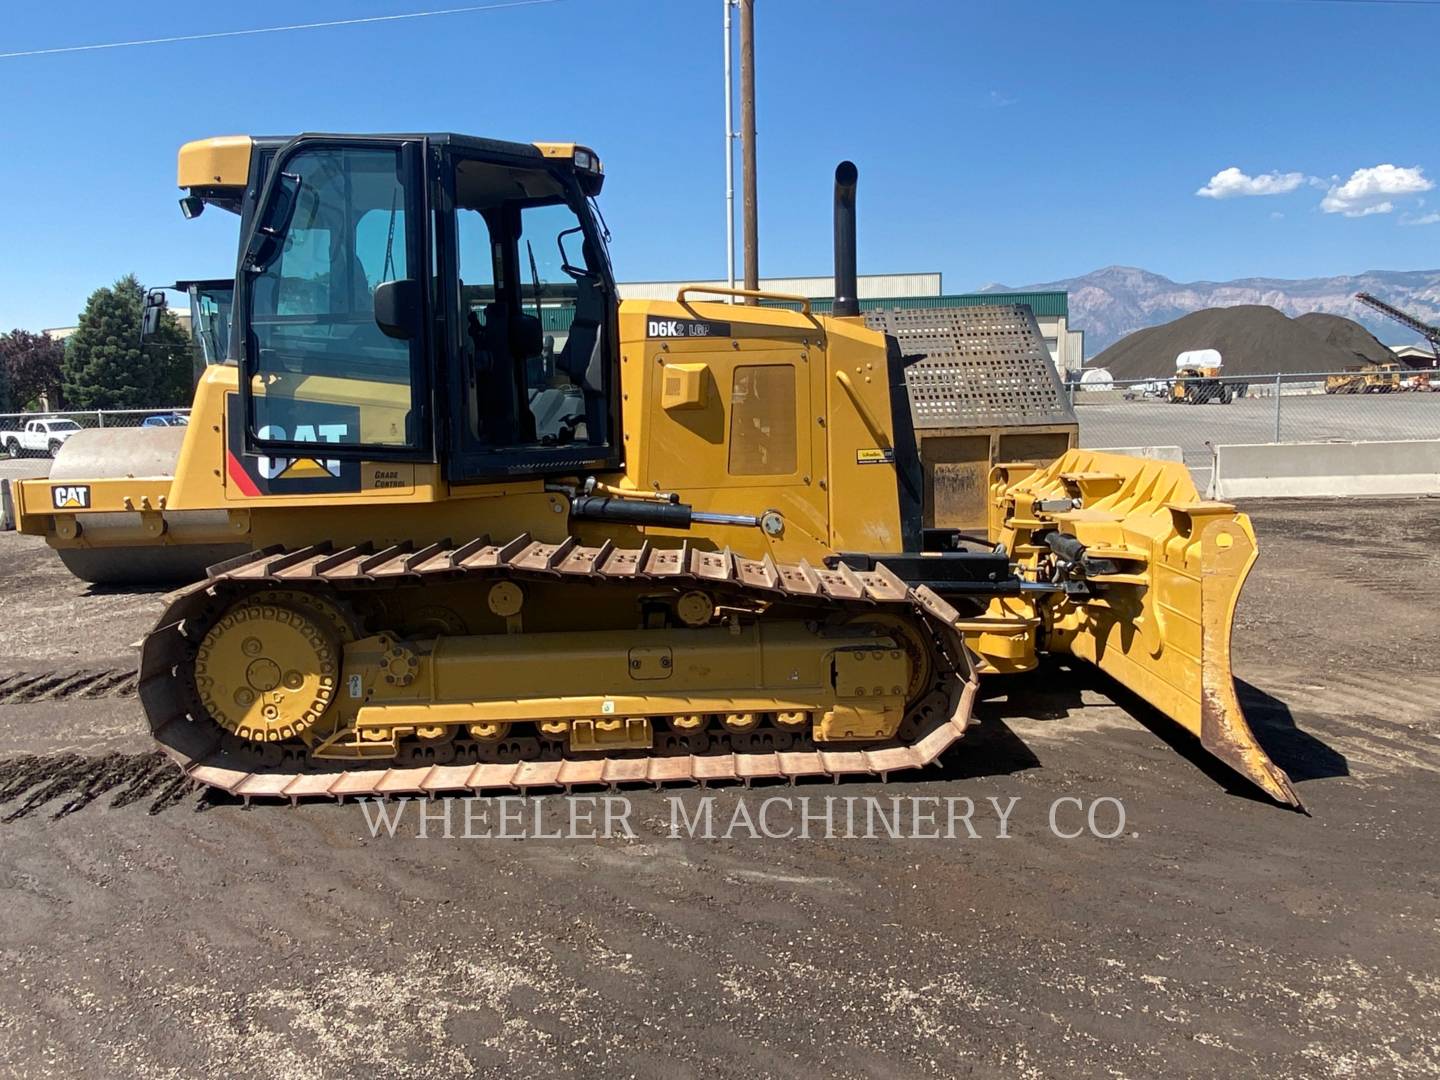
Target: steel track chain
{"x":195,"y":743}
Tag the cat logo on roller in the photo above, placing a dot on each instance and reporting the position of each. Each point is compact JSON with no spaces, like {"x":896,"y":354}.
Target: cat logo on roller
{"x":71,"y":496}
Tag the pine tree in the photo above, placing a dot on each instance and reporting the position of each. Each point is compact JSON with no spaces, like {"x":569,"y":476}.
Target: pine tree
{"x":105,"y":367}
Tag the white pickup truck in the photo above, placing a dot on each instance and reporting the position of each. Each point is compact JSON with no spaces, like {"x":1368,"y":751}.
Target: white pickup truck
{"x":38,"y":437}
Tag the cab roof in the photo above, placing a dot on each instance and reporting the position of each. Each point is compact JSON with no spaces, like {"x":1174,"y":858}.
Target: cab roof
{"x":224,"y":161}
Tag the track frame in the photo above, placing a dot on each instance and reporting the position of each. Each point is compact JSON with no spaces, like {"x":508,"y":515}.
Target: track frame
{"x":935,"y":720}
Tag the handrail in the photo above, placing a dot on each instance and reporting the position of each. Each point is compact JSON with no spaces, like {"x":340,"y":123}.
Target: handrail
{"x":759,"y":294}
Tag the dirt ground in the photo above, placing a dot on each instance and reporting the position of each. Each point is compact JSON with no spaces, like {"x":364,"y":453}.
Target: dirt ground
{"x":1215,"y":935}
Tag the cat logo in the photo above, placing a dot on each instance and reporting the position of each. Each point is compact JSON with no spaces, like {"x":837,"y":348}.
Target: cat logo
{"x":71,"y":496}
{"x":298,"y":468}
{"x":251,"y":475}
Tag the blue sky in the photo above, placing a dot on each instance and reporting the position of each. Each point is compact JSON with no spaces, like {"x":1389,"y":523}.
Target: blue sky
{"x":1014,"y":142}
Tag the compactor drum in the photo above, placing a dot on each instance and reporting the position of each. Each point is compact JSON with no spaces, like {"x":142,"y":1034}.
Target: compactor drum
{"x":498,"y":530}
{"x":123,"y":547}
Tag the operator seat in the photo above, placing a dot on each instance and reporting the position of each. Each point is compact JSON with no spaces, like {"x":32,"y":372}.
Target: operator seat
{"x":582,"y":359}
{"x":557,"y":403}
{"x":509,"y":339}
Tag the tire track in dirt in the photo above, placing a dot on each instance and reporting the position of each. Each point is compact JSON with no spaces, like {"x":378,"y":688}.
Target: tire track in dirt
{"x":36,"y":780}
{"x":60,"y":685}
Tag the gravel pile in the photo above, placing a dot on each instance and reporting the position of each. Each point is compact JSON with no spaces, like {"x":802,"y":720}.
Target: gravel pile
{"x":1254,"y":339}
{"x":1347,"y":334}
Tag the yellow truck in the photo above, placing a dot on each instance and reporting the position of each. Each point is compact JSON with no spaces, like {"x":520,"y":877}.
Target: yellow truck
{"x":1198,"y":379}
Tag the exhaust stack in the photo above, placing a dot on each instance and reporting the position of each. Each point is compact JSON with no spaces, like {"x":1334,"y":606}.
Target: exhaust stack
{"x":846,"y":300}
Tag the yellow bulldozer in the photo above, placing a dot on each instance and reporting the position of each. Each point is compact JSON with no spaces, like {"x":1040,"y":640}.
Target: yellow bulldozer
{"x":1381,"y":378}
{"x":467,"y":522}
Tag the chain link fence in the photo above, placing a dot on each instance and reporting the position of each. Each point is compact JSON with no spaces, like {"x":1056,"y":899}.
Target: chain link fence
{"x":1198,"y":413}
{"x":40,"y":434}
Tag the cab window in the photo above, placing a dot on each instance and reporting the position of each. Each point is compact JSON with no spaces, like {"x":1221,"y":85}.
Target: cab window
{"x":210,"y":320}
{"x":319,"y":367}
{"x":534,"y":311}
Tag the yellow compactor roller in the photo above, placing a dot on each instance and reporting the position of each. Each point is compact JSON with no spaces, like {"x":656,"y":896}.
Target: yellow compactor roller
{"x":493,"y":528}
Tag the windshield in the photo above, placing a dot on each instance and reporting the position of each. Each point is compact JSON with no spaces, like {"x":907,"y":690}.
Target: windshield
{"x":210,"y":320}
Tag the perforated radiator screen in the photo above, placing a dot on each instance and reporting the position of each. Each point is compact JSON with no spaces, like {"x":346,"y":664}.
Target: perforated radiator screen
{"x":975,"y":366}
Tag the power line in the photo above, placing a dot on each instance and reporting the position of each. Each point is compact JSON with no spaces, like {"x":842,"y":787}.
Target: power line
{"x":468,"y":9}
{"x":1386,"y":3}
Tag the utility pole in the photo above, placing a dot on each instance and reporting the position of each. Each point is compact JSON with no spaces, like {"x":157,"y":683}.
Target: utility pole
{"x":729,"y":157}
{"x":747,"y":135}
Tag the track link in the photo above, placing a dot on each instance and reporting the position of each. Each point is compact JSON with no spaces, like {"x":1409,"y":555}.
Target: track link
{"x":935,"y":720}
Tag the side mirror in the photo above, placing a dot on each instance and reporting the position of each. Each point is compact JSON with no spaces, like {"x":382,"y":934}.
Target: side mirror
{"x":397,"y":308}
{"x":192,"y":206}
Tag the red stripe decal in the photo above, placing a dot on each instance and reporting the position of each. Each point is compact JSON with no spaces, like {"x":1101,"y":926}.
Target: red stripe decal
{"x":240,"y":476}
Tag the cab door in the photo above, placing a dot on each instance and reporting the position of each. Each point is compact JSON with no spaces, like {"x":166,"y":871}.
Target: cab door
{"x":530,"y":316}
{"x":332,"y":305}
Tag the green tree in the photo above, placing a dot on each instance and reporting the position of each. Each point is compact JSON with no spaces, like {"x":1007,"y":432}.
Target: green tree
{"x":104,"y":366}
{"x":30,"y":365}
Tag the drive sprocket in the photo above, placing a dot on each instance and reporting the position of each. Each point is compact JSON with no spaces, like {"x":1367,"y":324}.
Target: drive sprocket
{"x":267,"y":671}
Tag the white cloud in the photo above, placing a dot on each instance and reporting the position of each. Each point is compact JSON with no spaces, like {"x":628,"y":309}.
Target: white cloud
{"x":1370,"y":191}
{"x":1424,"y":219}
{"x":1231,"y":183}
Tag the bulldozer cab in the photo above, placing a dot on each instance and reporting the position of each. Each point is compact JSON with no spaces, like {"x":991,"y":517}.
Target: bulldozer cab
{"x":430,"y":297}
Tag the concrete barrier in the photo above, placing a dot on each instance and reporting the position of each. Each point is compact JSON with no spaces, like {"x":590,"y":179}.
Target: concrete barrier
{"x":1158,"y":453}
{"x":1318,"y":470}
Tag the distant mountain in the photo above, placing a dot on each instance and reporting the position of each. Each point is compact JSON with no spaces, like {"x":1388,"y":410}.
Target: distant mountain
{"x":1108,"y":304}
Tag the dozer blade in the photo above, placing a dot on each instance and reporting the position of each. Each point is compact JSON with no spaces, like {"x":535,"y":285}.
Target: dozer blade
{"x":1165,"y":569}
{"x":1224,"y":731}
